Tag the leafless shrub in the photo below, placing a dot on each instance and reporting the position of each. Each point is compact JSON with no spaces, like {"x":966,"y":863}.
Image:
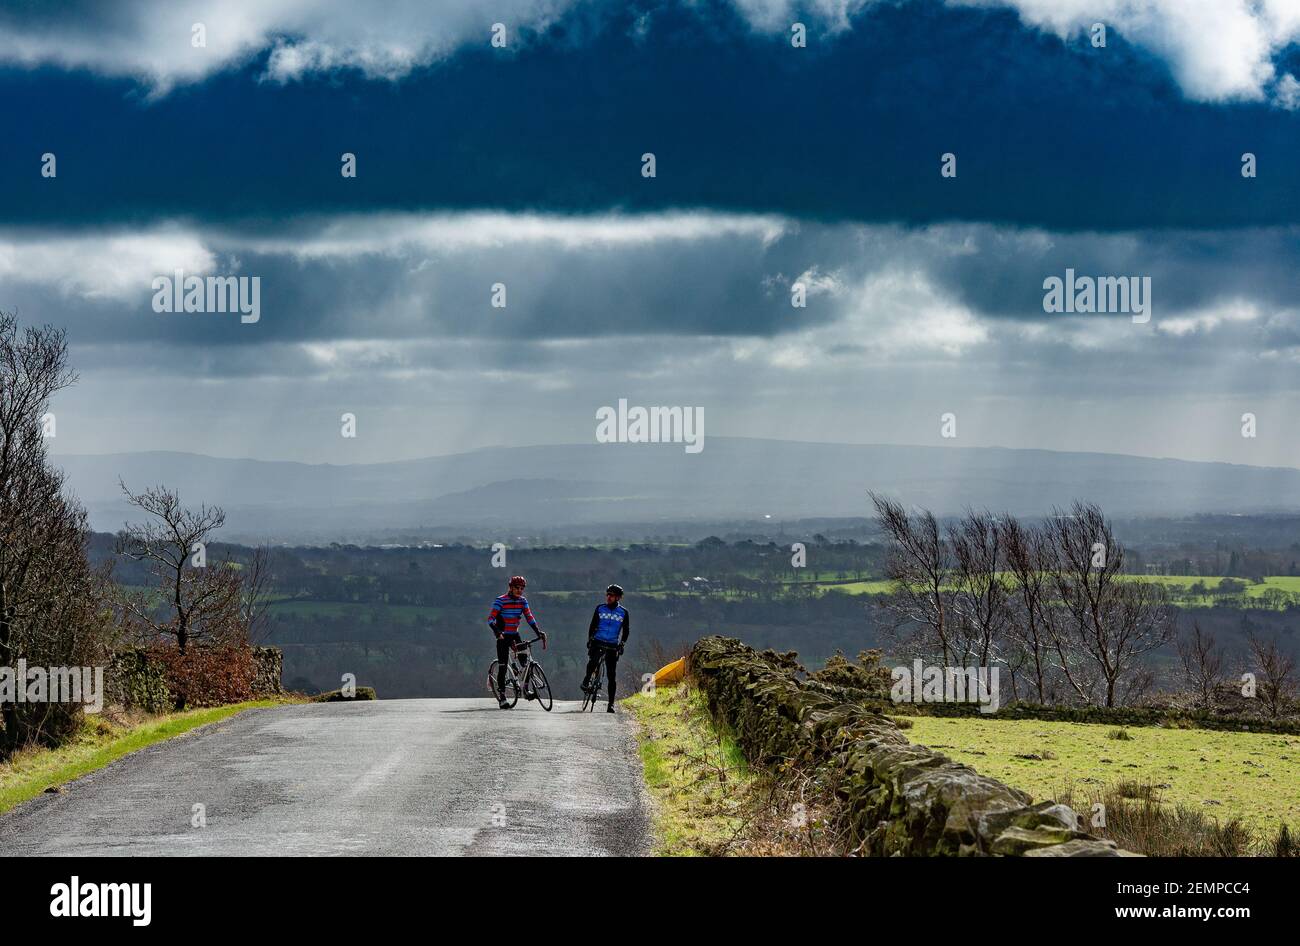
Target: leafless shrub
{"x":1201,"y":659}
{"x":1275,"y":671}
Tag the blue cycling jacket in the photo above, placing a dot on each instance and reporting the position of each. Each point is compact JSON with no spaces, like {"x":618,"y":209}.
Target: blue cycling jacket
{"x":609,"y":625}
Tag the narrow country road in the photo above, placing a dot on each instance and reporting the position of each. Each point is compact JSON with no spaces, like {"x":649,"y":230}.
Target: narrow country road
{"x":390,"y":777}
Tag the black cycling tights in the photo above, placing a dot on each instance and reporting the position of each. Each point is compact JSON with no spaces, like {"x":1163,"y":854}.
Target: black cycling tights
{"x":611,"y":667}
{"x":503,"y":658}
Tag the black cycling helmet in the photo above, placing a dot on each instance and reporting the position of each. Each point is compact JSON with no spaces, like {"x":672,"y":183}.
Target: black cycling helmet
{"x":614,"y":590}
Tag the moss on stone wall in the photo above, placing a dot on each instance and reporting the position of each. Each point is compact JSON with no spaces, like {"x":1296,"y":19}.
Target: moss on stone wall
{"x":897,"y":798}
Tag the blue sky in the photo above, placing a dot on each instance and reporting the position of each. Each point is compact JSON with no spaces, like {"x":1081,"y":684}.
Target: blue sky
{"x":521,"y":165}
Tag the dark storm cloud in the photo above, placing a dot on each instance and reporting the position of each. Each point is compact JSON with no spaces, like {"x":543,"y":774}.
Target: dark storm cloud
{"x":1188,"y":269}
{"x":1048,"y":132}
{"x":432,"y":277}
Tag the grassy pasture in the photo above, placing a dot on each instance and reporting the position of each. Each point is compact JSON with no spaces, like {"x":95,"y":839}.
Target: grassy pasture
{"x":1253,"y":776}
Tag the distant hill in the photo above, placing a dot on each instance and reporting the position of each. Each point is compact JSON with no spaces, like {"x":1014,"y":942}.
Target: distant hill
{"x":541,"y":487}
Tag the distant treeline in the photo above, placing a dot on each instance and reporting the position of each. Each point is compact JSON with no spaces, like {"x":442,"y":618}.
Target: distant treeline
{"x":410,"y":621}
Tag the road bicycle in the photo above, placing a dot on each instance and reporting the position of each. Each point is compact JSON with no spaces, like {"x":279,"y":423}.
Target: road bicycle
{"x":592,"y":696}
{"x":523,"y":675}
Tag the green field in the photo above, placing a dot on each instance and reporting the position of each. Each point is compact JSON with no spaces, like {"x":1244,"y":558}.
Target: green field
{"x":1287,"y":583}
{"x":1178,"y":586}
{"x":1253,"y":776}
{"x":872,"y":586}
{"x":1290,"y":584}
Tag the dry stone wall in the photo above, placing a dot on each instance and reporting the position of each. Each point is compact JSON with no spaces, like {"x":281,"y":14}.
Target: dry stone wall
{"x":899,"y":799}
{"x":268,"y":663}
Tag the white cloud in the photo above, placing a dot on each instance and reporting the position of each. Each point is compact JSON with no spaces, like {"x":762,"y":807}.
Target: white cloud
{"x":1206,"y":320}
{"x":778,"y":15}
{"x":117,"y":264}
{"x":102,"y":266}
{"x":150,"y":40}
{"x":896,"y":312}
{"x":395,"y":234}
{"x":817,"y":283}
{"x":1287,"y":93}
{"x":1218,"y":50}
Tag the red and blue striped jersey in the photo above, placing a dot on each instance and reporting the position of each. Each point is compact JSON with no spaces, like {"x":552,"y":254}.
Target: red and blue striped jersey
{"x":507,"y":611}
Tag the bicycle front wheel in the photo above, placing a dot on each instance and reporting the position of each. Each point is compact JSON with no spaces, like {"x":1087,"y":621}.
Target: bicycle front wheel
{"x":589,"y":702}
{"x":540,"y":687}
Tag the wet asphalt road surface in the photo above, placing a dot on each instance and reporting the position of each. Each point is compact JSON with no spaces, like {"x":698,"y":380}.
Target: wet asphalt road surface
{"x":388,"y":777}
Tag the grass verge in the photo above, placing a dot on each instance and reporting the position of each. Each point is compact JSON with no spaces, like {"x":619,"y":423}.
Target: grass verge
{"x":708,"y":801}
{"x":698,"y":779}
{"x":101,"y":741}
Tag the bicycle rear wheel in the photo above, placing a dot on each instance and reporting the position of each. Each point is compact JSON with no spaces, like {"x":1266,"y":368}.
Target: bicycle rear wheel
{"x":512,"y":687}
{"x":540,"y":686}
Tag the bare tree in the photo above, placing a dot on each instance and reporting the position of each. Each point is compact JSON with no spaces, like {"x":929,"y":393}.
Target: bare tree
{"x":1027,"y":556}
{"x":1275,"y":671}
{"x":981,"y":596}
{"x":1016,"y":659}
{"x":254,"y":595}
{"x":1202,"y":659}
{"x":1109,"y":624}
{"x":51,"y":609}
{"x":920,"y":564}
{"x":202,"y":600}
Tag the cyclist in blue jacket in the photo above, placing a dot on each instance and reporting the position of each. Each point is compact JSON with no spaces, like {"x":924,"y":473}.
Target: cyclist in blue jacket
{"x":605,"y":639}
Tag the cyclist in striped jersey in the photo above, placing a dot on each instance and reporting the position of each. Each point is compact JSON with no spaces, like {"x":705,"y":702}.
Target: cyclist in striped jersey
{"x":507,"y":611}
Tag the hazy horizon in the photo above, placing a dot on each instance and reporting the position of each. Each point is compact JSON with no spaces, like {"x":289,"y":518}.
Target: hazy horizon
{"x":55,"y":453}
